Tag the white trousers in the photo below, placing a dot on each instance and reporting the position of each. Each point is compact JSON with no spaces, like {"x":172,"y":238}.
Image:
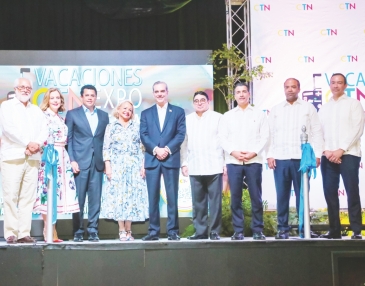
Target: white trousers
{"x":19,"y":182}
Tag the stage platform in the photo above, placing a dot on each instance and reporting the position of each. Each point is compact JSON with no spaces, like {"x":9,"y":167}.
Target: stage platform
{"x":111,"y":262}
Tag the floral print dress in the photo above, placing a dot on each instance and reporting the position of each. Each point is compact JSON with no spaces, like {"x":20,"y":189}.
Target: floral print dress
{"x":67,"y":201}
{"x":125,"y":195}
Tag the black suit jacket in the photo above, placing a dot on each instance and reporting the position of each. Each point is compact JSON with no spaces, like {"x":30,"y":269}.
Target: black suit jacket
{"x":172,"y":135}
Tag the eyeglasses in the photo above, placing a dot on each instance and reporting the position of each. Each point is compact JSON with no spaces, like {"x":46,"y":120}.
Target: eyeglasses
{"x":197,"y":101}
{"x":22,"y":88}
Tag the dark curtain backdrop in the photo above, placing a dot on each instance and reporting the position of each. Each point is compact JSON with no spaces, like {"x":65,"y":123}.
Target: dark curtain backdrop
{"x":71,"y":25}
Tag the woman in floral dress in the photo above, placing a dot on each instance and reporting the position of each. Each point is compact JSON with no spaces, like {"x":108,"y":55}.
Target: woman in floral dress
{"x":125,"y":197}
{"x":67,"y":201}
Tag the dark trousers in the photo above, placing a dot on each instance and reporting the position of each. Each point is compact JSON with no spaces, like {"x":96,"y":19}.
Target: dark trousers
{"x":286,"y":173}
{"x":253,"y":174}
{"x":349,"y":171}
{"x":171,"y":179}
{"x":88,"y":182}
{"x":207,"y":189}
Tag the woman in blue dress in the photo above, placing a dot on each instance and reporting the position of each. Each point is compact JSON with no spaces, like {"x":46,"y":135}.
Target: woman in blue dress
{"x":125,"y":196}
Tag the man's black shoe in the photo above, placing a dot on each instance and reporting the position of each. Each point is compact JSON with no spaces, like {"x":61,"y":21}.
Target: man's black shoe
{"x":282,"y":234}
{"x":173,"y":236}
{"x":214,"y":236}
{"x":150,"y":237}
{"x":93,"y":237}
{"x":330,"y":235}
{"x":258,"y":236}
{"x":313,"y":235}
{"x":356,"y":236}
{"x":197,"y":236}
{"x":237,"y":236}
{"x":78,"y":238}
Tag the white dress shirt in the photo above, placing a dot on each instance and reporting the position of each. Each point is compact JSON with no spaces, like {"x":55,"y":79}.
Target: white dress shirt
{"x":161,"y":111}
{"x":92,"y":118}
{"x":286,"y":121}
{"x":342,"y":122}
{"x":21,"y":125}
{"x":244,"y":130}
{"x":201,"y":151}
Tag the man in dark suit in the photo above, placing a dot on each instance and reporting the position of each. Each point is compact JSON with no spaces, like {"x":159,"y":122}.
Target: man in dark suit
{"x":86,"y":127}
{"x":162,"y":132}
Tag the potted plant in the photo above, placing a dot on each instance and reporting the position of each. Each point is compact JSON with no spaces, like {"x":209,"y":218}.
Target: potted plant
{"x":231,"y":66}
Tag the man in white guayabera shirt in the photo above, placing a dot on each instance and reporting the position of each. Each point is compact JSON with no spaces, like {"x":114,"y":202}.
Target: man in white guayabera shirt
{"x":284,"y":150}
{"x":244,"y":132}
{"x":203,"y":161}
{"x":24,"y":130}
{"x":342,"y":120}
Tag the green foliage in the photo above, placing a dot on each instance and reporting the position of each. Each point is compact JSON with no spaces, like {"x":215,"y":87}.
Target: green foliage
{"x":233,"y":60}
{"x":318,"y":217}
{"x":344,"y":218}
{"x":189,"y":230}
{"x":227,"y":228}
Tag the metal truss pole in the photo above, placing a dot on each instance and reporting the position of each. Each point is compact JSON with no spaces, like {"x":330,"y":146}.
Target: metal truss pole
{"x":238,"y":30}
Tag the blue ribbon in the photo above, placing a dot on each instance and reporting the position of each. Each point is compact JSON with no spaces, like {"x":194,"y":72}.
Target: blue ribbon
{"x":307,"y":164}
{"x":50,"y":158}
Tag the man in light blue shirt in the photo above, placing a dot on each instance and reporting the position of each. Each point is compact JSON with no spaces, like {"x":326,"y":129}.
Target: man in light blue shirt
{"x":86,"y":128}
{"x":92,"y":117}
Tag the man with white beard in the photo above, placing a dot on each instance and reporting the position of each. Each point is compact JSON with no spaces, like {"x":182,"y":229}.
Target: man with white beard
{"x":24,"y":129}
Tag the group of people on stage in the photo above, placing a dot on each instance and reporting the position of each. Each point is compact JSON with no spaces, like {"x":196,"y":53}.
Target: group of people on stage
{"x":205,"y":144}
{"x":35,"y":162}
{"x":236,"y":141}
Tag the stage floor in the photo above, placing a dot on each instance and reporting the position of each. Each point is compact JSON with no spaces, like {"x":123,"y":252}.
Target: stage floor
{"x":182,"y":240}
{"x":289,"y":262}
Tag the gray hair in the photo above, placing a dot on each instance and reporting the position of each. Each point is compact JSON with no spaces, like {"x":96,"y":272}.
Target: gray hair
{"x":16,"y":82}
{"x":159,"y":82}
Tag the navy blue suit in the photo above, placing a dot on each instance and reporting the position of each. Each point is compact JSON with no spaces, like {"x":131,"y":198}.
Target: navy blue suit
{"x":172,"y":135}
{"x":87,"y":150}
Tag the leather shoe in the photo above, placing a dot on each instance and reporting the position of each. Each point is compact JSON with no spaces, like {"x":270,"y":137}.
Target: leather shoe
{"x":237,"y":236}
{"x":93,"y":237}
{"x":150,"y":237}
{"x":313,"y":235}
{"x":330,"y":235}
{"x":356,"y":236}
{"x":27,"y":239}
{"x":11,"y":240}
{"x":258,"y":236}
{"x":173,"y":236}
{"x":197,"y":236}
{"x":78,"y":238}
{"x":214,"y":236}
{"x":282,"y":234}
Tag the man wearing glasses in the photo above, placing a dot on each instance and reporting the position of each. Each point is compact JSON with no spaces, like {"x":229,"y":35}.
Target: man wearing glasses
{"x":203,"y":161}
{"x":244,"y":132}
{"x":24,"y":130}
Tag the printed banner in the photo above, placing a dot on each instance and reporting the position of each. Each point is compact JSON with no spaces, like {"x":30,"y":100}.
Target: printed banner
{"x":114,"y":84}
{"x":308,"y":41}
